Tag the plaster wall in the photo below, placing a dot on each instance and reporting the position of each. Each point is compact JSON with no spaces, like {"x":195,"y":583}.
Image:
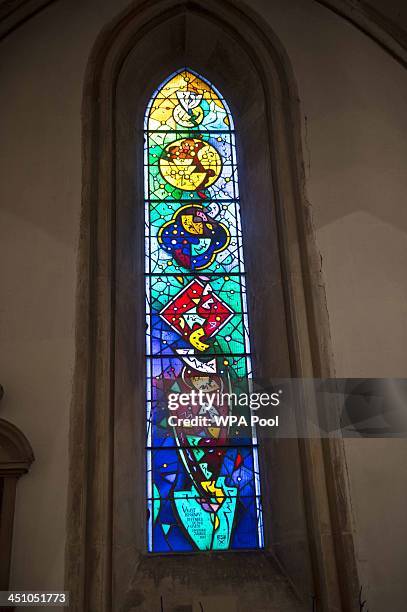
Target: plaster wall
{"x":353,"y":99}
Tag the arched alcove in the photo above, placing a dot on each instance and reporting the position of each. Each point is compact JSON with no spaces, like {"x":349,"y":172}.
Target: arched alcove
{"x":16,"y":456}
{"x":307,"y":522}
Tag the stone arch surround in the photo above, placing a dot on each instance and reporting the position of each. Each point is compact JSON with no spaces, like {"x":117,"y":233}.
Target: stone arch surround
{"x":309,"y":534}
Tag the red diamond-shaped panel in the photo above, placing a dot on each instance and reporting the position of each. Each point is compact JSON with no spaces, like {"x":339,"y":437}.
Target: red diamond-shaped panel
{"x":196,"y":311}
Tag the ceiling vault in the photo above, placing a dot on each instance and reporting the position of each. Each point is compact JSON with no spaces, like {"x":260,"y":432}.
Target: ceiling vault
{"x":14,"y":13}
{"x":374,"y":24}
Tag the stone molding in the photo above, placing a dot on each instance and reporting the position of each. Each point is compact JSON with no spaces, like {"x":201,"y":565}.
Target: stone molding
{"x":97,"y":418}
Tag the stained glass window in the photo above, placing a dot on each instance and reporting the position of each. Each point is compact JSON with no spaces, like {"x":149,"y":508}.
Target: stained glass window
{"x":203,"y":485}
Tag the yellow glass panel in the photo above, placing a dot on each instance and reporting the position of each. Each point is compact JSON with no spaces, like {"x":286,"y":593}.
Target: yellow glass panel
{"x":190,"y":163}
{"x":174,"y":102}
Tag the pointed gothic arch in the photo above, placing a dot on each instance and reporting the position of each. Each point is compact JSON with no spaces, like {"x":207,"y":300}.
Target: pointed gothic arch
{"x":309,"y":529}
